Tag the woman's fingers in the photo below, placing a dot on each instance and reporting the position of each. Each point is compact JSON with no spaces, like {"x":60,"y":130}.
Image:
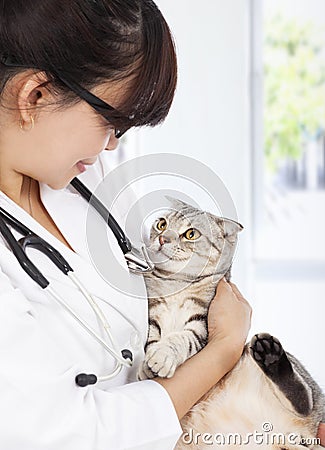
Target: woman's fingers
{"x":239,"y":295}
{"x":229,"y":314}
{"x":235,"y":289}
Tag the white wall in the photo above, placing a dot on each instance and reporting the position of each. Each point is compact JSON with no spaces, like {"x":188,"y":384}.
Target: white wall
{"x":209,"y":120}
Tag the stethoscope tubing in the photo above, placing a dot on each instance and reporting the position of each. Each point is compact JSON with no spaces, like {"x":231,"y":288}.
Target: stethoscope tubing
{"x":31,"y":239}
{"x":19,"y":250}
{"x":136,"y":263}
{"x":59,"y":299}
{"x":91,"y":198}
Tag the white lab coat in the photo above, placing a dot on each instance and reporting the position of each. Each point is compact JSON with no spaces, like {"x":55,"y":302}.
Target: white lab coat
{"x":42,"y":348}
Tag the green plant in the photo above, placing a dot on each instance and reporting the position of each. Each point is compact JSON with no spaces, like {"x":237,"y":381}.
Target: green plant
{"x":294,"y":87}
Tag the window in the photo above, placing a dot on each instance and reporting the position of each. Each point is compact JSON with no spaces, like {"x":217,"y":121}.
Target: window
{"x":288,"y":128}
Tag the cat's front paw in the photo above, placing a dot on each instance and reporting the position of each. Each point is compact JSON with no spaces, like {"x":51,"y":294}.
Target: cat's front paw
{"x":144,"y":373}
{"x":160,"y":360}
{"x":266,"y":350}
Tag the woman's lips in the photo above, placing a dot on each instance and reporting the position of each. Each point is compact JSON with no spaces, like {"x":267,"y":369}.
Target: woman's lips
{"x":82,"y":165}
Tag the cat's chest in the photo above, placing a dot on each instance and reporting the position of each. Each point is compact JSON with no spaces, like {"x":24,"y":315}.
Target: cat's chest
{"x":177,"y":292}
{"x":173,"y":315}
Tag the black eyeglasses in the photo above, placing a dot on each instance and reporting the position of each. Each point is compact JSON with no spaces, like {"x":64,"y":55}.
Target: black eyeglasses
{"x":107,"y":111}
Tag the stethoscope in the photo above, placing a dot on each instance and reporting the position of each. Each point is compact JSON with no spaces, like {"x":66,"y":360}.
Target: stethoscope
{"x":137,"y":260}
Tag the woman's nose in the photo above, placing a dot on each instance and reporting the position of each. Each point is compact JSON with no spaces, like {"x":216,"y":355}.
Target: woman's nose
{"x":112,"y":143}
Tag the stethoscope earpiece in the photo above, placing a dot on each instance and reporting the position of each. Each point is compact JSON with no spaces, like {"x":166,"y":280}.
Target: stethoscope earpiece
{"x":84,"y":379}
{"x":127,"y":354}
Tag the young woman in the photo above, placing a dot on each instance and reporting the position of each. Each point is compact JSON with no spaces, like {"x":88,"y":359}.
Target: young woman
{"x":60,"y":61}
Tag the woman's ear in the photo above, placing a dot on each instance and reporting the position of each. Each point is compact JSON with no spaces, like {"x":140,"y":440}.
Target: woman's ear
{"x":32,"y":93}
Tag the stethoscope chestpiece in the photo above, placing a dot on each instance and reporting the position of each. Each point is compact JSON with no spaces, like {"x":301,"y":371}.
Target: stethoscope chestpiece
{"x":138,"y":261}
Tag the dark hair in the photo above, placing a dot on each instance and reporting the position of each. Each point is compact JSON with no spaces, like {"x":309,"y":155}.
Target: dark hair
{"x":93,"y":41}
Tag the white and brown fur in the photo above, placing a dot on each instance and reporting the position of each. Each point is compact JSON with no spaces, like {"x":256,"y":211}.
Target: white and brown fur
{"x":267,"y":384}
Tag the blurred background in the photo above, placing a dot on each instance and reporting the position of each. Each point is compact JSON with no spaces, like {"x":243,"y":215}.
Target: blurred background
{"x":250,"y":104}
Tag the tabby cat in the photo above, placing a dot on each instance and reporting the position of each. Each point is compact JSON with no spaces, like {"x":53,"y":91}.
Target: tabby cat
{"x":192,"y":250}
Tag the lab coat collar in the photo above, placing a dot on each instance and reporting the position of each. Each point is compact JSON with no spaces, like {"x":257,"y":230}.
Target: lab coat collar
{"x":58,"y":204}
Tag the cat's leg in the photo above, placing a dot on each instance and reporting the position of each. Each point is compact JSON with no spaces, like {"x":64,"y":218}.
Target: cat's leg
{"x":176,"y":346}
{"x":154,"y":333}
{"x":164,"y":357}
{"x":154,"y":336}
{"x":269,"y":354}
{"x":173,"y":337}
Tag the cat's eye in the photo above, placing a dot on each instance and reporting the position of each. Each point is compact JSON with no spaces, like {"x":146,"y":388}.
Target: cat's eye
{"x":161,"y":225}
{"x":191,"y":234}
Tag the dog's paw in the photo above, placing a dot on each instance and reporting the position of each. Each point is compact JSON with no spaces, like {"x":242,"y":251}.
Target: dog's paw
{"x":266,"y":350}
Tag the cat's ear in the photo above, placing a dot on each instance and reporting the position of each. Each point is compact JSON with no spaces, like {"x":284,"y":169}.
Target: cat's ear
{"x":177,"y":203}
{"x":230,"y":227}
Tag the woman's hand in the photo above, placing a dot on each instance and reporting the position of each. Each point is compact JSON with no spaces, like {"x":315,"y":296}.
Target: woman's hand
{"x":229,"y":319}
{"x":321,"y":434}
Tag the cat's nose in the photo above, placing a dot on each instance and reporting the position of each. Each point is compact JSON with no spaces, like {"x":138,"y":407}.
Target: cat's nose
{"x":164,"y":240}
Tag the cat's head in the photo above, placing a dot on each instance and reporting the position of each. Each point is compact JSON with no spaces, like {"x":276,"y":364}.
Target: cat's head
{"x":190,"y":242}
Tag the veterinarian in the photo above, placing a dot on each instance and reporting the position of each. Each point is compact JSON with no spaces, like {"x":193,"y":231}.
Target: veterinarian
{"x":74,"y":76}
{"x":55,"y":57}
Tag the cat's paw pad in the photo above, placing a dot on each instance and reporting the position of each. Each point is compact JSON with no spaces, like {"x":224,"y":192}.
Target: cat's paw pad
{"x":160,"y":361}
{"x":265,"y":349}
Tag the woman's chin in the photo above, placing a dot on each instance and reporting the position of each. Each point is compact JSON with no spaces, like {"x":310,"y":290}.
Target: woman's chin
{"x":62,"y":183}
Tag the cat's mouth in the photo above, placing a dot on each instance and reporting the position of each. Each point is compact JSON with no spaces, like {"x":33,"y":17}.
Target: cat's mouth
{"x":161,"y":251}
{"x":159,"y":254}
{"x":170,"y":254}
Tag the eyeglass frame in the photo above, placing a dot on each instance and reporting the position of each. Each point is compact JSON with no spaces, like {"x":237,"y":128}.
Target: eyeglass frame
{"x":95,"y":102}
